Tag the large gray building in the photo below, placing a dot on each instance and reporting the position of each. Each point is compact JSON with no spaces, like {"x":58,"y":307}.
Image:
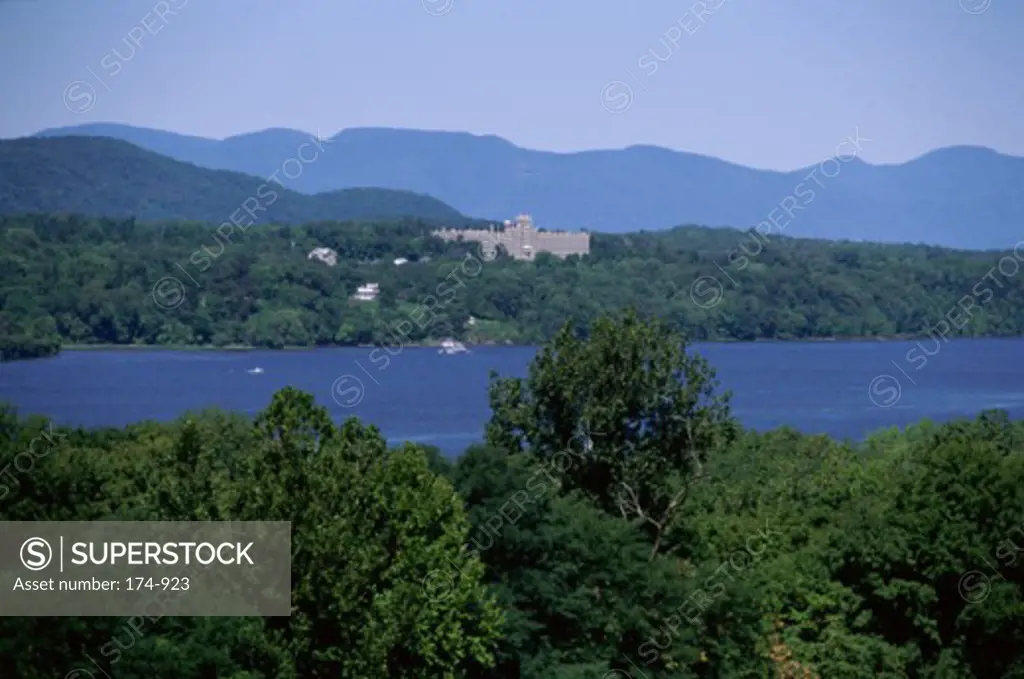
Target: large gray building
{"x":522,"y":240}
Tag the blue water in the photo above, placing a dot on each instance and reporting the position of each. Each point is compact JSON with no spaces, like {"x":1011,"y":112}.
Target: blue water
{"x":845,"y":389}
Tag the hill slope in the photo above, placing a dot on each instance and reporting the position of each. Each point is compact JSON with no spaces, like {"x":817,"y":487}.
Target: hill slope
{"x":959,"y":197}
{"x":110,"y":281}
{"x":108,"y":177}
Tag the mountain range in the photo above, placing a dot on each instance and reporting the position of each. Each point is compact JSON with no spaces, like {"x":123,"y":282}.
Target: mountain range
{"x":965,"y":197}
{"x":108,"y":177}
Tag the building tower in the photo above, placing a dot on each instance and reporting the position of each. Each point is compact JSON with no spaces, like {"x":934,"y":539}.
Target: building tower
{"x":524,"y":225}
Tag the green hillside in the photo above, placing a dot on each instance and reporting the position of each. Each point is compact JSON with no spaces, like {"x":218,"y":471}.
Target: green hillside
{"x":94,"y":281}
{"x":106,"y":177}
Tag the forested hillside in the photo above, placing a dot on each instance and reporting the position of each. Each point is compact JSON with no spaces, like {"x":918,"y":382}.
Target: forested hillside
{"x":617,"y":524}
{"x":111,"y":178}
{"x":78,"y":280}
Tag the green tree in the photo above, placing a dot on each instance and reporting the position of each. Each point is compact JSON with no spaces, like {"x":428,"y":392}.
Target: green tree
{"x":640,"y":413}
{"x":579,"y":589}
{"x":372,"y":531}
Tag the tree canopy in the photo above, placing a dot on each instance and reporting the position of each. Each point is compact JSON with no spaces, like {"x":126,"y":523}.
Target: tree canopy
{"x":732,"y":553}
{"x":98,"y":176}
{"x":67,"y":280}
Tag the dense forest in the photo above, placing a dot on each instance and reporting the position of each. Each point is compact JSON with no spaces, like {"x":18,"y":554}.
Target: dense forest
{"x":77,"y":280}
{"x":112,"y":178}
{"x":616,"y":524}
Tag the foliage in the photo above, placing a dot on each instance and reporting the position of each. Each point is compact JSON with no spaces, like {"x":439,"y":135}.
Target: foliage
{"x":639,"y":413}
{"x":111,"y":178}
{"x":578,"y":586}
{"x":98,"y":281}
{"x":368,"y":526}
{"x":789,"y":556}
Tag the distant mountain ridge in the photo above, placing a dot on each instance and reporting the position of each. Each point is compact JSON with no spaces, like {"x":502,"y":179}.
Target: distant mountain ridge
{"x":99,"y":176}
{"x":965,"y":197}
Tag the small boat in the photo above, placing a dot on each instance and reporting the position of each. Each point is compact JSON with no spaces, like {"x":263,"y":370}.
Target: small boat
{"x":450,"y":347}
{"x":255,"y":371}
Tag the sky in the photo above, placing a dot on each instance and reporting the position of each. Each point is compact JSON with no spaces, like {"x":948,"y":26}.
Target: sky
{"x":773,"y":84}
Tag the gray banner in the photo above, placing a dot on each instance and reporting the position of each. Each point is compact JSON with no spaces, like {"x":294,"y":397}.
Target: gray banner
{"x":145,"y":568}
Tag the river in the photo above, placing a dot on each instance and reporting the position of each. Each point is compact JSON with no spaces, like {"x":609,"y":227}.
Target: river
{"x":845,"y":389}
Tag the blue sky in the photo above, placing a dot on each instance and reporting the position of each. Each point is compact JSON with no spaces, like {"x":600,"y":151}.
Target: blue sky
{"x":771,"y":84}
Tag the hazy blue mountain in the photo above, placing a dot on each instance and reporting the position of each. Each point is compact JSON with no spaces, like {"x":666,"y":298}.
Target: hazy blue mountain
{"x":108,"y":177}
{"x":960,"y":196}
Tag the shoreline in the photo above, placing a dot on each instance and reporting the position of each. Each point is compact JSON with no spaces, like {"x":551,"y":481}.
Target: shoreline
{"x":434,"y":344}
{"x":509,"y":345}
{"x":247,"y":347}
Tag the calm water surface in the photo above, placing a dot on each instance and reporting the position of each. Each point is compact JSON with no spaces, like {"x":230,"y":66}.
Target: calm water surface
{"x":845,"y":389}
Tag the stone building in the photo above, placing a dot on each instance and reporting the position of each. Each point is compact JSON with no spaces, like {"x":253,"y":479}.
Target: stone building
{"x":522,"y":240}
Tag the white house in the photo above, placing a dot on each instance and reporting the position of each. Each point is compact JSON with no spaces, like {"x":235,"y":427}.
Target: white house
{"x":325,"y":255}
{"x":367,"y":293}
